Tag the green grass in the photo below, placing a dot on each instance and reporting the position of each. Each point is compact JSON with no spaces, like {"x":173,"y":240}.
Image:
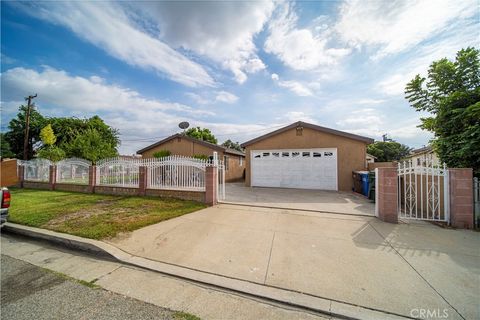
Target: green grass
{"x":91,"y":215}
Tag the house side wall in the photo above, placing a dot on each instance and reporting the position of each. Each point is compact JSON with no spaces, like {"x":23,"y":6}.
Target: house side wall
{"x":351,"y":153}
{"x":235,"y":170}
{"x":182,"y":147}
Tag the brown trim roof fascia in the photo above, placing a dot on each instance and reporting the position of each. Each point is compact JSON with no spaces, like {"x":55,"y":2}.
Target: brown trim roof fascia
{"x":178,"y":135}
{"x":313,"y":127}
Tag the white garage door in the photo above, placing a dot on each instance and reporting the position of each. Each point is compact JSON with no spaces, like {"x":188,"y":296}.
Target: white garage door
{"x":295,"y":168}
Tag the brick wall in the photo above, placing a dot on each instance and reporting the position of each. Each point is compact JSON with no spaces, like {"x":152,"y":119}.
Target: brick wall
{"x":8,"y":172}
{"x":386,"y":194}
{"x":461,"y":197}
{"x":72,"y":187}
{"x":177,"y":194}
{"x":119,"y":191}
{"x":36,"y":185}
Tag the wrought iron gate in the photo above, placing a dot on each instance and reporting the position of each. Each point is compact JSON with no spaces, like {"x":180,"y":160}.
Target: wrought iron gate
{"x":423,"y":191}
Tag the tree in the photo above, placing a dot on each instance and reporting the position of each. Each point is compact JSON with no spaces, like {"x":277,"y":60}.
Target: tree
{"x":388,"y":151}
{"x":90,"y":145}
{"x":451,"y":94}
{"x":15,"y":136}
{"x":5,"y":150}
{"x":232,"y":145}
{"x":47,"y":135}
{"x":49,"y":150}
{"x":201,"y":134}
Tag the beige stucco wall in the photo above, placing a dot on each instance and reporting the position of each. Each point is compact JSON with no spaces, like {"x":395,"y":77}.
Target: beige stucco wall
{"x":184,"y":147}
{"x":235,"y":170}
{"x":350,"y":153}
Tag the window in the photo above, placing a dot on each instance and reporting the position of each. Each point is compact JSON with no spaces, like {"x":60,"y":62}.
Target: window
{"x":275,"y":154}
{"x":295,"y":154}
{"x":285,"y":154}
{"x":328,"y":154}
{"x":258,"y":155}
{"x":418,"y":161}
{"x":266,"y":154}
{"x":225,"y":161}
{"x":317,"y":154}
{"x":305,"y":154}
{"x":240,"y":161}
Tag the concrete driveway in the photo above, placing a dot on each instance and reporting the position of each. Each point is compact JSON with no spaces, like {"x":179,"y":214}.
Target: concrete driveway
{"x":354,"y":259}
{"x":301,"y":199}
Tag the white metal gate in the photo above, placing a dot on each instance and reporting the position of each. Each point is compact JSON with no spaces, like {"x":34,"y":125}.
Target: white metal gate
{"x":423,"y":191}
{"x":220,"y":165}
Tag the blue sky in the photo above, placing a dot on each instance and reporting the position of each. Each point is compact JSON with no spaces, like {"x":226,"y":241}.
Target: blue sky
{"x":241,"y":69}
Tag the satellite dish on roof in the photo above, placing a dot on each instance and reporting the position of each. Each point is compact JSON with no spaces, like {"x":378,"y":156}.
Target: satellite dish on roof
{"x":184,"y":125}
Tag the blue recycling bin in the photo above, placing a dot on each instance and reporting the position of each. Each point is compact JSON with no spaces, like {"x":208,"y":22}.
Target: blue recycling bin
{"x":365,"y":183}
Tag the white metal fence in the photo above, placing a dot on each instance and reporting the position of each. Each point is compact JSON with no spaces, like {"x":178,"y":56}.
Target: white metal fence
{"x":172,"y":173}
{"x":423,"y":191}
{"x":118,"y":172}
{"x":73,"y":170}
{"x":176,"y":172}
{"x":37,"y":169}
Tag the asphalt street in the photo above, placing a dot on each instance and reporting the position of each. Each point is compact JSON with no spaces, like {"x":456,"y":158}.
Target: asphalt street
{"x":31,"y":292}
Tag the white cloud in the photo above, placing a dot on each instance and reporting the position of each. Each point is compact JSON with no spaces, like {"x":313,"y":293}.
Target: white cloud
{"x":300,"y":48}
{"x":294,"y":116}
{"x":294,"y":86}
{"x":227,"y":97}
{"x":359,"y":119}
{"x":141,"y":120}
{"x":221,"y":31}
{"x":395,"y":26}
{"x":108,"y":26}
{"x":459,"y":36}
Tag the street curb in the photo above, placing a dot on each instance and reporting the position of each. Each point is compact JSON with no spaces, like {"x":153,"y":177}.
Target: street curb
{"x":290,"y":298}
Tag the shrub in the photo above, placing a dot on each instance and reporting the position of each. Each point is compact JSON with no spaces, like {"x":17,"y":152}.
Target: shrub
{"x":162,"y":154}
{"x":201,"y":156}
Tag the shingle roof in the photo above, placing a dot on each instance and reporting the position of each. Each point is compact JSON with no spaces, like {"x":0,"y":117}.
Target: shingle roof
{"x":179,"y":135}
{"x":310,"y":126}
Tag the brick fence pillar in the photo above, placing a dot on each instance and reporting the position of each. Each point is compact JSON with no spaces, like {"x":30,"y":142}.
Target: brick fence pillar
{"x":142,"y":180}
{"x":52,"y":177}
{"x":461,"y":197}
{"x":21,"y":176}
{"x":211,"y":185}
{"x":92,"y":177}
{"x":386,"y":194}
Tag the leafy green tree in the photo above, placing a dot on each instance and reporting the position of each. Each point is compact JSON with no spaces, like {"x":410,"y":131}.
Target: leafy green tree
{"x":388,"y":151}
{"x":451,"y":94}
{"x":201,"y":156}
{"x":162,"y":154}
{"x":47,"y":135}
{"x":68,"y":129}
{"x":232,"y":145}
{"x":201,"y":134}
{"x":49,"y":150}
{"x":5,"y":150}
{"x":16,"y":134}
{"x":90,"y":145}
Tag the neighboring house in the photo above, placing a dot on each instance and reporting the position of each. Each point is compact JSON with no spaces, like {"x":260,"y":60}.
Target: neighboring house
{"x":306,"y":156}
{"x":423,"y":156}
{"x":183,"y":145}
{"x":370,"y":159}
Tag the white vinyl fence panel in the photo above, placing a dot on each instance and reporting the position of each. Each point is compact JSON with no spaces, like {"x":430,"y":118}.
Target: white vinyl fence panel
{"x":73,"y":170}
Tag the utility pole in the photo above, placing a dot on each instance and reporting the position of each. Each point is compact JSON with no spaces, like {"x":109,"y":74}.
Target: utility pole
{"x":27,"y":125}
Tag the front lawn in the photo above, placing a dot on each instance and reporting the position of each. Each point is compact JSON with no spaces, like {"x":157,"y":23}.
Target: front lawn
{"x":91,"y":215}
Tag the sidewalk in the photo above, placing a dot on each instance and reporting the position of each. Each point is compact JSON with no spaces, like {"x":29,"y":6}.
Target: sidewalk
{"x":152,"y":287}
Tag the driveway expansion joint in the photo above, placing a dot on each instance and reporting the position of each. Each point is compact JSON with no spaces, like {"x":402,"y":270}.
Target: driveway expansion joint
{"x":296,"y":299}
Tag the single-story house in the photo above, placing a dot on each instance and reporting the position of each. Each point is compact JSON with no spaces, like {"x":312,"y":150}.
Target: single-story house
{"x":182,"y":145}
{"x":370,"y":158}
{"x":305,"y":156}
{"x":423,"y":156}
